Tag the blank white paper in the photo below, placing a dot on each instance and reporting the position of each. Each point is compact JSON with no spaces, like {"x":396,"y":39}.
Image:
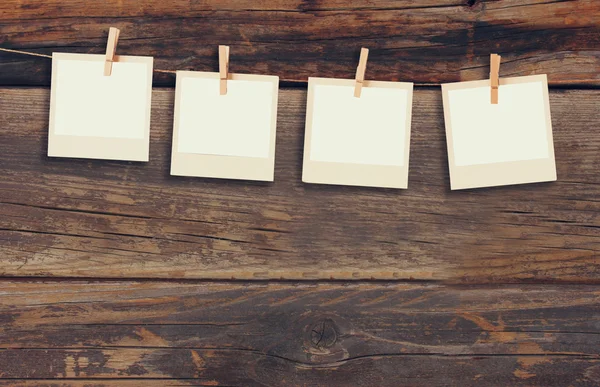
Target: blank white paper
{"x":90,"y":104}
{"x":367,"y":130}
{"x":513,"y":130}
{"x":236,"y":124}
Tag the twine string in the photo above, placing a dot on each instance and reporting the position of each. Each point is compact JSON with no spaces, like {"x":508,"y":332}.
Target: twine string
{"x":555,"y":82}
{"x":25,"y":53}
{"x":50,"y":57}
{"x":166,"y":71}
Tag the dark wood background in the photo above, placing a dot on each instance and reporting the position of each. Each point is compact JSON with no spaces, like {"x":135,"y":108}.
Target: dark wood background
{"x":115,"y":273}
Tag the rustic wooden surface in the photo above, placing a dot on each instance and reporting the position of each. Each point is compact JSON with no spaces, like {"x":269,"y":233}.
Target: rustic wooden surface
{"x":425,"y":41}
{"x":82,"y":218}
{"x":300,"y":334}
{"x":118,"y":249}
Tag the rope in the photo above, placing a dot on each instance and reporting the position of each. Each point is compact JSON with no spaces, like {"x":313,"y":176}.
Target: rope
{"x":563,"y":81}
{"x":50,"y":57}
{"x":25,"y":53}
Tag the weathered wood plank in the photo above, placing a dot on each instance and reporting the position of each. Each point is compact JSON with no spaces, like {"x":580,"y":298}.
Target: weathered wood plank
{"x":66,"y":217}
{"x":432,"y":41}
{"x":301,"y":334}
{"x":97,"y":382}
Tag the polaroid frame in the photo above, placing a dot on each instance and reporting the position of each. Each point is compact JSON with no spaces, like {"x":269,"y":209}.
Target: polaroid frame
{"x":366,"y":175}
{"x":92,"y":147}
{"x":503,"y":173}
{"x":222,"y":166}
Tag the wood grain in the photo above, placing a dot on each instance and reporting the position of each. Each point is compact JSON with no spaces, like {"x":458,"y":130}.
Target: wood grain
{"x":300,"y":334}
{"x":83,"y":218}
{"x":430,"y":41}
{"x":98,"y":220}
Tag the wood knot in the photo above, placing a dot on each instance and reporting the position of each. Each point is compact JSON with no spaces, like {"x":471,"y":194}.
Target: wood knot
{"x":471,"y":3}
{"x":324,"y":334}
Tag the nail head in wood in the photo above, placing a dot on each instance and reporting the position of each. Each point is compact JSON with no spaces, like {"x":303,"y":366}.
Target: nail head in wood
{"x":111,"y":49}
{"x":223,"y":68}
{"x":360,"y":71}
{"x":494,"y":77}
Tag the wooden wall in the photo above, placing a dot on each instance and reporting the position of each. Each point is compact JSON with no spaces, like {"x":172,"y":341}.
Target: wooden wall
{"x":116,"y":273}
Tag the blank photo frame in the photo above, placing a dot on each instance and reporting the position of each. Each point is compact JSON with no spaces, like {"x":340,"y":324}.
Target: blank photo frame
{"x":354,"y":141}
{"x":503,"y":144}
{"x":228,"y":136}
{"x":96,"y":116}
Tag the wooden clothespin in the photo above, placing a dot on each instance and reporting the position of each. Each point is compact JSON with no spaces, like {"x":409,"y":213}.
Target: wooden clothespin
{"x":111,"y":49}
{"x":495,"y":76}
{"x":360,"y":71}
{"x":223,"y":68}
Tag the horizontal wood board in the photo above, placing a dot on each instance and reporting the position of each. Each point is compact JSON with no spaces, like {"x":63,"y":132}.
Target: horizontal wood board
{"x":82,"y":218}
{"x":66,"y":333}
{"x":428,"y":41}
